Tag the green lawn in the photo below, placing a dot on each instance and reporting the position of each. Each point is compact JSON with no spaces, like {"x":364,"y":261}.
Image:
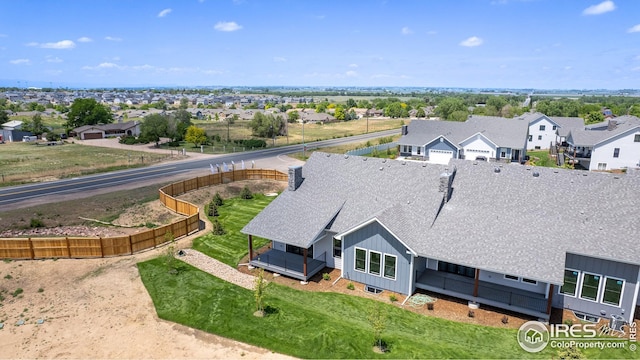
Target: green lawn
{"x":234,"y":215}
{"x":315,"y":324}
{"x":541,"y":158}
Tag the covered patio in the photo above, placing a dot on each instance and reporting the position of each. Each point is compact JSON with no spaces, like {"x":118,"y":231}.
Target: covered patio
{"x":512,"y":299}
{"x":288,"y":264}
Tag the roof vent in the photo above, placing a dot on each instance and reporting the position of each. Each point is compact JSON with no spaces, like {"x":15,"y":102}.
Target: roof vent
{"x":536,"y":174}
{"x":364,"y":158}
{"x":585,"y":174}
{"x":384,"y":161}
{"x":328,"y":155}
{"x":616,"y":177}
{"x":381,"y":168}
{"x":346,"y":156}
{"x":404,"y":162}
{"x":496,"y":169}
{"x":424,"y":164}
{"x":528,"y":168}
{"x":475,"y":163}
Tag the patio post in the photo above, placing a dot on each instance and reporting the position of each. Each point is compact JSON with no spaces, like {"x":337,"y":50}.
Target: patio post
{"x":549,"y":299}
{"x":304,"y":264}
{"x":250,"y":247}
{"x":476,"y":283}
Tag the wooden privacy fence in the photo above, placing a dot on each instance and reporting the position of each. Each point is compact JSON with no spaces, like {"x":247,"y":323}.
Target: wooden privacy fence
{"x":94,"y":247}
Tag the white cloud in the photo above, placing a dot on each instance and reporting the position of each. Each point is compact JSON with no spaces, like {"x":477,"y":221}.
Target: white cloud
{"x":472,"y":41}
{"x":111,"y":38}
{"x":20,"y":61}
{"x":351,"y":73}
{"x":320,"y":17}
{"x":85,"y":39}
{"x":64,"y":44}
{"x":51,"y":59}
{"x":406,"y":31}
{"x":603,"y":7}
{"x":635,"y":68}
{"x":568,"y":67}
{"x":164,"y":13}
{"x":353,"y":65}
{"x":634,"y":29}
{"x":227,"y":26}
{"x":279,"y":59}
{"x":431,"y":32}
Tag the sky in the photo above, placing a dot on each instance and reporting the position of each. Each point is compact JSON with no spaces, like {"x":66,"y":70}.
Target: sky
{"x":519,"y":44}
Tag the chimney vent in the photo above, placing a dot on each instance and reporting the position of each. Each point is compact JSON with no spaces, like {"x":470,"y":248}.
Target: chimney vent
{"x":405,"y":129}
{"x":536,"y":174}
{"x":295,"y":177}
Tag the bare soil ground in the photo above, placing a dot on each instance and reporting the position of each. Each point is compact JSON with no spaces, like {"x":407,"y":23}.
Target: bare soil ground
{"x":99,"y":308}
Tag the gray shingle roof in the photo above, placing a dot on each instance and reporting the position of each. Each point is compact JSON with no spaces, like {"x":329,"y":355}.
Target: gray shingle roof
{"x":509,"y":221}
{"x":582,"y":137}
{"x":503,"y":132}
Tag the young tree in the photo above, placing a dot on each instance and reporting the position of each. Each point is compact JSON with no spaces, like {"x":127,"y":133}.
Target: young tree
{"x":36,"y":126}
{"x":184,"y":103}
{"x":421,"y":113}
{"x":259,"y":288}
{"x":87,"y":112}
{"x":293,"y":116}
{"x":195,"y":135}
{"x":378,"y":321}
{"x":339,"y":113}
{"x":446,"y":107}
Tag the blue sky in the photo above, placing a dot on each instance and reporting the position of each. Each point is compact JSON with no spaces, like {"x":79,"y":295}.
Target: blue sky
{"x":543,"y":44}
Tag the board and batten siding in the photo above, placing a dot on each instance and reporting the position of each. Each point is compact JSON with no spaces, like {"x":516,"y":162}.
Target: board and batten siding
{"x":375,"y":237}
{"x":603,"y":268}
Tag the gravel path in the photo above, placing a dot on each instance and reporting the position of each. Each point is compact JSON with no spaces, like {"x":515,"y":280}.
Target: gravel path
{"x":217,"y":268}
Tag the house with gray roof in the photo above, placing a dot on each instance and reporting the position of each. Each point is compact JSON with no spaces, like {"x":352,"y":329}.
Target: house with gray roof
{"x":479,"y":137}
{"x":611,"y":146}
{"x":456,"y":230}
{"x":545,"y":131}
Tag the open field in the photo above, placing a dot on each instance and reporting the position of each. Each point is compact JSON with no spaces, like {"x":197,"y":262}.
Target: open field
{"x":341,"y":149}
{"x":27,"y":162}
{"x":312,"y":132}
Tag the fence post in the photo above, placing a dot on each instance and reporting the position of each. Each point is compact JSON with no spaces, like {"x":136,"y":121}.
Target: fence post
{"x":101,"y":246}
{"x":66,"y":238}
{"x":33,"y":254}
{"x":130,"y":245}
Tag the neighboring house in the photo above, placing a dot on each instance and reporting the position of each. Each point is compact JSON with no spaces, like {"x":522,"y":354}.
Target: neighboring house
{"x":480,"y":137}
{"x":545,"y":132}
{"x":101,"y":131}
{"x":12,"y":131}
{"x":461,"y":231}
{"x":616,"y":146}
{"x":12,"y":125}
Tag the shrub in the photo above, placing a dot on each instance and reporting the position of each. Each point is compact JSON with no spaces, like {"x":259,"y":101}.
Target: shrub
{"x":350,"y":286}
{"x":505,"y":319}
{"x":251,"y":143}
{"x":246,"y":193}
{"x":213,"y":210}
{"x":568,"y":322}
{"x":393,"y":298}
{"x":17,"y":292}
{"x":471,"y":313}
{"x":217,"y":228}
{"x":217,"y":199}
{"x":8,"y":277}
{"x":326,"y":276}
{"x":36,"y":223}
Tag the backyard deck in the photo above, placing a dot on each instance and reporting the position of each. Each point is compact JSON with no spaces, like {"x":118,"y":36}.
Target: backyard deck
{"x":288,"y":264}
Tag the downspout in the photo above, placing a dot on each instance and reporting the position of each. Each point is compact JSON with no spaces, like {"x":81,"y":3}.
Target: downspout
{"x":635,"y":299}
{"x":410,"y":291}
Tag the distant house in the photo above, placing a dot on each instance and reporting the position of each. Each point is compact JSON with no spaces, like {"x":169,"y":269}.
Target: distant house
{"x":480,"y":137}
{"x":101,"y":131}
{"x":545,"y":132}
{"x":457,"y":230}
{"x":610,"y":147}
{"x":12,"y":125}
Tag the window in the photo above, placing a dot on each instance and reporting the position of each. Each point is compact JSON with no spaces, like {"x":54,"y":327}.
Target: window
{"x":530,"y":138}
{"x":390,"y":266}
{"x":529,"y":281}
{"x":374,"y":262}
{"x":539,"y":137}
{"x":372,"y":289}
{"x":612,"y":291}
{"x":554,"y":127}
{"x":542,"y":127}
{"x":636,"y":138}
{"x":590,"y":286}
{"x":300,"y":251}
{"x":602,"y":166}
{"x":511,"y":277}
{"x":337,"y":248}
{"x":570,"y":283}
{"x":418,"y":150}
{"x":503,"y":154}
{"x":616,"y":152}
{"x":457,"y":269}
{"x":361,"y":260}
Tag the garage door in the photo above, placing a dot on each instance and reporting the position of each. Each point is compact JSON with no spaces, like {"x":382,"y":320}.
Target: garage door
{"x":93,"y":135}
{"x":440,"y":156}
{"x":472,"y":154}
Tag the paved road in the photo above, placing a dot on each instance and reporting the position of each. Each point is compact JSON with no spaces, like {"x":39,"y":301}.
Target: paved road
{"x":20,"y":196}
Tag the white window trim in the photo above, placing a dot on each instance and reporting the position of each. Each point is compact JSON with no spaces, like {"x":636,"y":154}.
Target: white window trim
{"x":395,"y":267}
{"x":369,"y":263}
{"x":355,"y":260}
{"x":597,"y":291}
{"x":333,"y":247}
{"x":578,"y":284}
{"x":624,"y":282}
